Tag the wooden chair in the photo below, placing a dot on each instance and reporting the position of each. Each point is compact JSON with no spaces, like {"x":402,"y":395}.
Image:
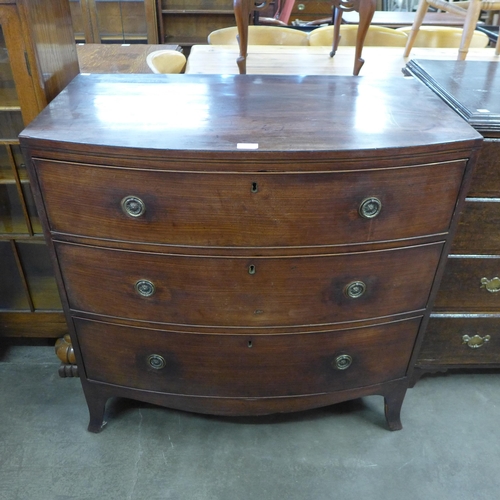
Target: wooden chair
{"x":375,"y":36}
{"x":166,"y":61}
{"x":469,"y":10}
{"x":259,"y":35}
{"x":444,"y":37}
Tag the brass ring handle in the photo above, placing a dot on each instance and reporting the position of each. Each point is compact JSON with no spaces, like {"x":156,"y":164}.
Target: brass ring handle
{"x":354,"y":289}
{"x":370,"y":207}
{"x":156,"y":361}
{"x":145,"y":288}
{"x":492,"y":285}
{"x":133,"y":206}
{"x":342,"y":362}
{"x":476,"y":341}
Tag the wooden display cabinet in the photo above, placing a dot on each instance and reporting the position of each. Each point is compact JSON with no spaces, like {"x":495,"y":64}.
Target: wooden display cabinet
{"x":189,"y":22}
{"x":114,"y":21}
{"x":37,"y":60}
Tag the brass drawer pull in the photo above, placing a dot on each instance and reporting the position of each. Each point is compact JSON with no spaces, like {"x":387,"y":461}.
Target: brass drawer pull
{"x":492,"y":285}
{"x":370,"y":207}
{"x":342,"y":362}
{"x":133,"y":206}
{"x":355,"y":289}
{"x":156,"y":361}
{"x":476,"y":341}
{"x":145,"y":288}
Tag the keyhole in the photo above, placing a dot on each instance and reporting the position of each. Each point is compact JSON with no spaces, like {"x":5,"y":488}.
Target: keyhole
{"x":250,"y":343}
{"x":251,"y":269}
{"x":255,"y":187}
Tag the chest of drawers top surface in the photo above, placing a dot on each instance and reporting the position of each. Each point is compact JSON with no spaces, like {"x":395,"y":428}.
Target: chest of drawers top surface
{"x":257,"y":115}
{"x":471,"y":88}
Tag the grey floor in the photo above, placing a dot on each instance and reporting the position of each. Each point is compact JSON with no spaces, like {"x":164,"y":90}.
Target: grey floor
{"x":448,"y":448}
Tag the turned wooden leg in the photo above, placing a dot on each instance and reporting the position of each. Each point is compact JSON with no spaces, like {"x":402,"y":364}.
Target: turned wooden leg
{"x":242,"y":15}
{"x":366,"y":10}
{"x":473,"y":13}
{"x":66,"y":353}
{"x":336,"y":30}
{"x":422,"y":8}
{"x":393,"y":401}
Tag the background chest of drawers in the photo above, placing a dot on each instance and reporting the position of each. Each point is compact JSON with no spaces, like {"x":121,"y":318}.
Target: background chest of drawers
{"x":463,"y":331}
{"x":219,"y":251}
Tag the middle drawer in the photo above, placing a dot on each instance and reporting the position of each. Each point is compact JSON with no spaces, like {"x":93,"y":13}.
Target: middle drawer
{"x":248,"y":291}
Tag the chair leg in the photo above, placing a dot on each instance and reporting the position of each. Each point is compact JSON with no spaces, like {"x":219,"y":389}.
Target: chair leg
{"x":242,"y":16}
{"x":473,"y":13}
{"x":366,"y":10}
{"x":336,"y":29}
{"x":497,"y":50}
{"x":422,"y":8}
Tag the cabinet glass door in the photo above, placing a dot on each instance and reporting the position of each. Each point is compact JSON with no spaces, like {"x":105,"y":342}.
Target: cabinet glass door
{"x":11,"y":121}
{"x":114,"y":21}
{"x":13,"y":211}
{"x":26,"y":279}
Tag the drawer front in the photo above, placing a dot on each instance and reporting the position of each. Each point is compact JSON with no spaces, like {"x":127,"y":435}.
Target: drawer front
{"x":470,"y":284}
{"x":486,"y":178}
{"x":477,"y":232}
{"x":254,"y":210}
{"x":248,"y":291}
{"x":243,"y":366}
{"x":461,"y":341}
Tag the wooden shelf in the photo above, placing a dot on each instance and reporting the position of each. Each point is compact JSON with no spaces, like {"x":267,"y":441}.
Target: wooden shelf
{"x":198,"y":10}
{"x":189,"y":23}
{"x":9,"y":100}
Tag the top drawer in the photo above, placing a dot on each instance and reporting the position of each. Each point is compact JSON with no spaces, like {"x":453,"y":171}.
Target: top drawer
{"x":486,"y":178}
{"x":249,"y":210}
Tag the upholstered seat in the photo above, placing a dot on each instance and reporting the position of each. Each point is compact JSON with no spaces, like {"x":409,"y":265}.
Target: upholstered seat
{"x":259,"y":35}
{"x":445,"y":37}
{"x":166,"y":61}
{"x":376,"y":36}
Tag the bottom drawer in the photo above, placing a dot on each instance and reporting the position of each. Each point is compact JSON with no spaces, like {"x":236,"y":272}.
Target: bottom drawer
{"x":243,"y":365}
{"x":444,"y":342}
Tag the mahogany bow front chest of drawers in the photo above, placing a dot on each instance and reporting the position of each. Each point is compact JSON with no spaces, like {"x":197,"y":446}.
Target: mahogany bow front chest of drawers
{"x":463,"y":329}
{"x":220,"y":250}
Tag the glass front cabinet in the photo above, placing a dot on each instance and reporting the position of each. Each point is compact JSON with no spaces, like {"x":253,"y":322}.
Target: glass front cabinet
{"x":37,"y":60}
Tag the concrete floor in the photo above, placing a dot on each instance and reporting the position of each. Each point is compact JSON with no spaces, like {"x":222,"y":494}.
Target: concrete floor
{"x":449,"y":447}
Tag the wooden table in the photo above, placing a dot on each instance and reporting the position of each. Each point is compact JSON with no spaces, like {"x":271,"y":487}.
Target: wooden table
{"x":307,"y":60}
{"x":116,"y":58}
{"x":398,"y":19}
